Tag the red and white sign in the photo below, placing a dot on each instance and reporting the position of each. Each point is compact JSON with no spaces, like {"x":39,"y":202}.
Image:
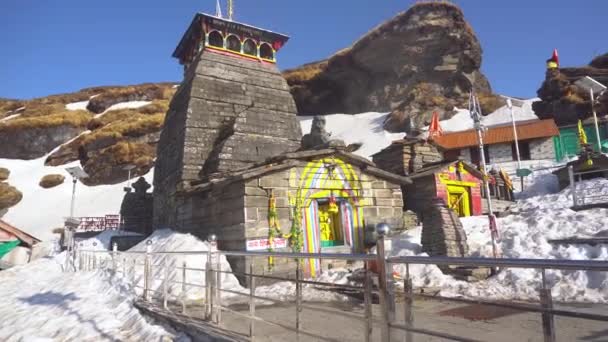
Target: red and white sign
{"x":262,"y":244}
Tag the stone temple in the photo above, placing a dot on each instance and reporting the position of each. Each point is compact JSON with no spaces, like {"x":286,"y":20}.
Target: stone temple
{"x":232,"y":109}
{"x":232,"y":161}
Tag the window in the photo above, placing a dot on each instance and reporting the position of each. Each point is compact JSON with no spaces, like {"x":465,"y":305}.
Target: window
{"x":233,"y":44}
{"x":266,"y":51}
{"x":249,"y":48}
{"x":216,"y":39}
{"x":524,"y":150}
{"x":451,"y":155}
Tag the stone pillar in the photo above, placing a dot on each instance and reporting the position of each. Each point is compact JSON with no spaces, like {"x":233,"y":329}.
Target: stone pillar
{"x":442,"y":232}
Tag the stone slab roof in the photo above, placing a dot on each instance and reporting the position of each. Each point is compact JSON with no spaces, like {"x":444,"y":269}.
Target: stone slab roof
{"x":293,"y":159}
{"x":499,"y":134}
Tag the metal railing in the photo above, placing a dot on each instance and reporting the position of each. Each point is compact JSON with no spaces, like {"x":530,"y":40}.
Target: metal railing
{"x":580,"y":198}
{"x":153,"y":274}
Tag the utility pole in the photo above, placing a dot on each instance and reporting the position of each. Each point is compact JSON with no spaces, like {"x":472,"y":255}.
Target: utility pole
{"x":475,"y":111}
{"x":517,"y":103}
{"x":230,"y":9}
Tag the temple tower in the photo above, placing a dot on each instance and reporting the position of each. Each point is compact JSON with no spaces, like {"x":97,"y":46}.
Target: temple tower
{"x":232,"y":109}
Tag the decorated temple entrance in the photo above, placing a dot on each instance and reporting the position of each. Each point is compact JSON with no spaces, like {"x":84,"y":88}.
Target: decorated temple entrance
{"x":330,"y":224}
{"x":459,"y":199}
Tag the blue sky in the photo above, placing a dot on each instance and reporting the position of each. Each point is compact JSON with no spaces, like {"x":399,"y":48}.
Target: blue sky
{"x":49,"y":47}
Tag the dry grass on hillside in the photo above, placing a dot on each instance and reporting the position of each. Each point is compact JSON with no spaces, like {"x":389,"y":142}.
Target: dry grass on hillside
{"x":154,"y":108}
{"x":77,"y":118}
{"x":131,"y":153}
{"x":142,"y":92}
{"x":490,"y":102}
{"x":304,"y":73}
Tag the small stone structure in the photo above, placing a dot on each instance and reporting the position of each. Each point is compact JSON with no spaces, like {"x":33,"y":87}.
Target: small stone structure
{"x":406,"y":156}
{"x":136,"y":209}
{"x":442,"y":232}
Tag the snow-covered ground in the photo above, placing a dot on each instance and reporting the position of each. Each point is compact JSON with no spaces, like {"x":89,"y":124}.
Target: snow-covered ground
{"x":525,"y":234}
{"x":39,"y":302}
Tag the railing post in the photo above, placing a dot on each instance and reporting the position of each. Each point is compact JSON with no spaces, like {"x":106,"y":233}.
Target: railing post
{"x":114,"y":252}
{"x":572,"y":185}
{"x":367,"y":300}
{"x":80,"y":264}
{"x":184,"y":295}
{"x":547,"y":304}
{"x":211,"y":276}
{"x":409,"y":298}
{"x":165,"y":283}
{"x":382,"y":229}
{"x":218,"y":289}
{"x":251,"y":303}
{"x":208,"y":285}
{"x":298,"y":299}
{"x":147,"y":271}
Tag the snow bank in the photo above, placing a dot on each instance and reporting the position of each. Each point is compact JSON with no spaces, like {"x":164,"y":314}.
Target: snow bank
{"x":461,"y":121}
{"x":81,"y":105}
{"x":101,"y":241}
{"x":39,"y":302}
{"x":41,"y":210}
{"x":365,"y":128}
{"x":125,"y":105}
{"x":525,"y":235}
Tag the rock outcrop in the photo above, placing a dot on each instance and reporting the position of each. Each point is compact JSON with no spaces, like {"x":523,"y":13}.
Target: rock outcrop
{"x":420,"y":61}
{"x":9,"y":196}
{"x":562,"y":100}
{"x":51,"y":181}
{"x":4,"y":173}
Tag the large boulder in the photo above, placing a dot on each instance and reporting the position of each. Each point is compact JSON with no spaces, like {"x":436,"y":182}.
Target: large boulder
{"x":420,"y":61}
{"x":566,"y":103}
{"x":4,"y":173}
{"x":51,"y":181}
{"x":9,"y":196}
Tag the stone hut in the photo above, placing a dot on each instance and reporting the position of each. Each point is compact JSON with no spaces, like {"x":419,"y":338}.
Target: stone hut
{"x":457,"y":183}
{"x":136,"y":210}
{"x":233,"y":109}
{"x":407,"y":155}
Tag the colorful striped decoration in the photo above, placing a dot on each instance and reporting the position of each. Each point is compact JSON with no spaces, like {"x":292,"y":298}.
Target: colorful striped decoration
{"x":312,"y":243}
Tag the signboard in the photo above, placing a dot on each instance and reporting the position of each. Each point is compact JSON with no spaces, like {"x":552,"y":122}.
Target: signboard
{"x":262,"y":244}
{"x":523,"y":172}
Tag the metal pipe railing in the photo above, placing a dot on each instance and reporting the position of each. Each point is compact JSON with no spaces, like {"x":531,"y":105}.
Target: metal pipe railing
{"x":553,"y":264}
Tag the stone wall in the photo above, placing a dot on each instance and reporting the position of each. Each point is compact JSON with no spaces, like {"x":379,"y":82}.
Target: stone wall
{"x":442,"y":232}
{"x":499,"y":153}
{"x":227,"y":114}
{"x":419,"y":195}
{"x":406,"y":157}
{"x":542,"y":149}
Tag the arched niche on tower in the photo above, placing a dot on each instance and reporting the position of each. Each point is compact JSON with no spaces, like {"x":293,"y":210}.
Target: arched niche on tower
{"x":250,"y":47}
{"x":216,"y":39}
{"x":233,"y":43}
{"x":266,"y":51}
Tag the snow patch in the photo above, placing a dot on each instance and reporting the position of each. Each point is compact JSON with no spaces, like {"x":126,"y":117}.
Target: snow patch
{"x":81,"y":105}
{"x":365,"y":128}
{"x":125,"y":105}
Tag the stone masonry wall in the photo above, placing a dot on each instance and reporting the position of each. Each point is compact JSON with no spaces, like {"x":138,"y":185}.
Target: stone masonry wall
{"x":442,"y":232}
{"x":500,"y":153}
{"x":227,"y":114}
{"x":542,"y":149}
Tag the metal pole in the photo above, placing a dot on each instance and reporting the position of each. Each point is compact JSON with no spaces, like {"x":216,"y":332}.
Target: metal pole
{"x":74,"y":181}
{"x":184,"y":295}
{"x":114,"y":252}
{"x":572,"y":185}
{"x":382,"y":282}
{"x":547,"y":317}
{"x":521,"y":178}
{"x":367,"y":300}
{"x":208,"y":285}
{"x":409,"y":298}
{"x":486,"y":184}
{"x":165,"y":284}
{"x":298,"y":299}
{"x":252,"y":302}
{"x":218,"y":289}
{"x":147,"y":272}
{"x":597,"y":129}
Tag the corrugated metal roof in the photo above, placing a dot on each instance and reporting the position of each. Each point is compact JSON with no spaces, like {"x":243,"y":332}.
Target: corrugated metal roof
{"x":499,"y":134}
{"x":21,"y":235}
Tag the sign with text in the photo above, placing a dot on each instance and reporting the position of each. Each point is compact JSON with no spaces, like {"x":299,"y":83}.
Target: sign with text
{"x":262,"y":244}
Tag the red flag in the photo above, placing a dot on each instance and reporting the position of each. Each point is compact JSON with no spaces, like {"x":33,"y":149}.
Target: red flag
{"x":555,"y":57}
{"x":435,"y":127}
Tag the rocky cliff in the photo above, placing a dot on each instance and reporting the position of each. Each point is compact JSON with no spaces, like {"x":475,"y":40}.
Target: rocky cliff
{"x":418,"y":62}
{"x":105,"y":128}
{"x":562,"y":100}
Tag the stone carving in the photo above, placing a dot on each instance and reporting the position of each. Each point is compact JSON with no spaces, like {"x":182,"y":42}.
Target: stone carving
{"x":319,"y":138}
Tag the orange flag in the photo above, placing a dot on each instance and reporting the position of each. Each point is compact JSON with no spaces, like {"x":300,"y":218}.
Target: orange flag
{"x":435,"y":128}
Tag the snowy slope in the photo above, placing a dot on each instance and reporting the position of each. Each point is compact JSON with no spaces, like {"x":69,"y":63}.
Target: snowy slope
{"x":41,"y":303}
{"x":525,"y":235}
{"x":41,"y":210}
{"x":363,"y":128}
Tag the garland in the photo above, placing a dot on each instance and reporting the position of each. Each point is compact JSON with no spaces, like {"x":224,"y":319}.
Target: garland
{"x":273,"y":227}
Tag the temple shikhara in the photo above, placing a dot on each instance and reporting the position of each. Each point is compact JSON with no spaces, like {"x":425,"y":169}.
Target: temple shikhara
{"x":232,"y":160}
